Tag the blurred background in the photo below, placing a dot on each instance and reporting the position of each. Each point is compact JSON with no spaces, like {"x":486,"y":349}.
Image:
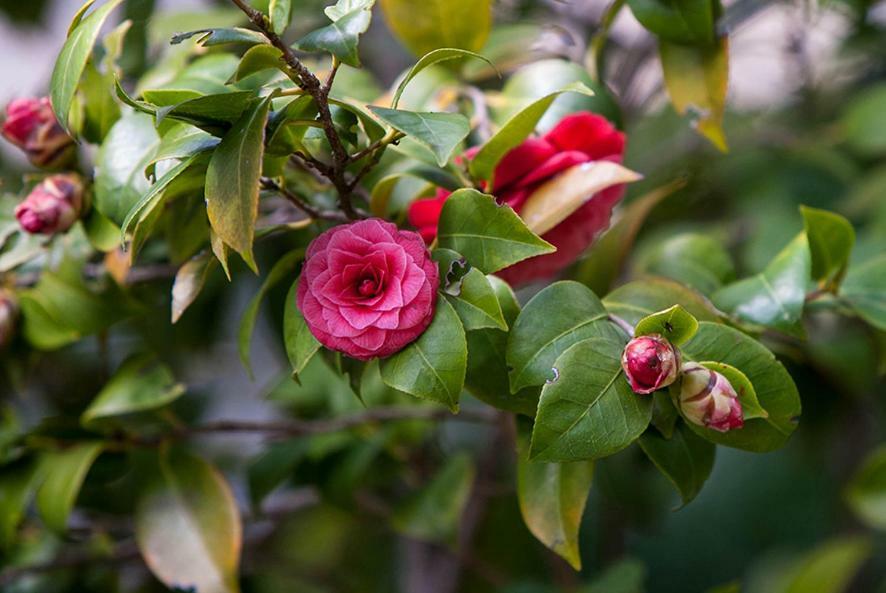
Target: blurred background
{"x":806,"y":123}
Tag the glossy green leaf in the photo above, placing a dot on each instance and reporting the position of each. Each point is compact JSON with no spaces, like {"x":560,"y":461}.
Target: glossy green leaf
{"x":64,"y":472}
{"x":187,"y":525}
{"x":474,"y":299}
{"x":774,"y":387}
{"x":515,"y":131}
{"x":636,"y":300}
{"x":774,"y":297}
{"x":425,"y":25}
{"x":280,"y":12}
{"x":433,"y":513}
{"x":588,"y":410}
{"x":866,"y":491}
{"x":429,"y":59}
{"x":552,"y":499}
{"x":349,"y":21}
{"x":301,"y":345}
{"x":489,"y":235}
{"x":441,"y":132}
{"x":697,"y":79}
{"x":103,"y":234}
{"x":256,"y":59}
{"x":221,"y":36}
{"x":139,"y":385}
{"x":680,"y":21}
{"x":487,"y":374}
{"x":189,"y":281}
{"x":72,"y":60}
{"x":697,"y":260}
{"x":685,"y":459}
{"x":831,"y":238}
{"x":831,"y":567}
{"x":100,"y":109}
{"x":214,"y":113}
{"x":232,"y":181}
{"x":127,"y":150}
{"x":285,"y":267}
{"x":432,"y":367}
{"x":553,"y":320}
{"x":865,"y":291}
{"x":675,"y":324}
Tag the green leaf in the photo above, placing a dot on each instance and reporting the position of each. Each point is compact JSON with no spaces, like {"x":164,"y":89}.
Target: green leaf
{"x":441,"y":132}
{"x":487,"y":374}
{"x":515,"y":131}
{"x":211,"y":37}
{"x":865,"y":291}
{"x":127,"y":150}
{"x":301,"y":345}
{"x":588,"y":410}
{"x":100,"y":109}
{"x":774,"y":297}
{"x":636,"y":300}
{"x":103,"y":234}
{"x":343,"y":35}
{"x":64,"y":473}
{"x":429,"y":59}
{"x":17,"y":482}
{"x":433,"y":513}
{"x":432,"y":367}
{"x":284,"y":267}
{"x":425,"y":25}
{"x":601,"y":265}
{"x":72,"y":60}
{"x":675,"y":324}
{"x":866,"y":491}
{"x":140,"y":385}
{"x":559,"y":316}
{"x":280,"y":12}
{"x":189,"y":281}
{"x":552,"y":499}
{"x":187,"y":525}
{"x":232,"y":181}
{"x":747,"y":395}
{"x":697,"y":78}
{"x":697,"y":260}
{"x":685,"y":459}
{"x":474,"y":299}
{"x":679,"y":21}
{"x":256,"y":59}
{"x":831,"y":238}
{"x":774,"y":387}
{"x":214,"y":113}
{"x":831,"y":567}
{"x":627,"y":576}
{"x":489,"y":235}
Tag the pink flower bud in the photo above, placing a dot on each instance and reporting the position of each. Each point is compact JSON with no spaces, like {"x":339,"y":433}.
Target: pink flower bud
{"x":650,"y":363}
{"x":53,"y":206}
{"x":8,"y":314}
{"x":708,"y":399}
{"x":31,"y":125}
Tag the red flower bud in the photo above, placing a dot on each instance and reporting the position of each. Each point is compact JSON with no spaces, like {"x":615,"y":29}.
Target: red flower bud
{"x":650,"y":363}
{"x":53,"y":206}
{"x":708,"y":399}
{"x":31,"y":125}
{"x":8,"y":314}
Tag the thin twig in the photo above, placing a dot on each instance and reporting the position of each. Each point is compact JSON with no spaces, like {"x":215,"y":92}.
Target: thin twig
{"x":295,"y":200}
{"x":122,"y":553}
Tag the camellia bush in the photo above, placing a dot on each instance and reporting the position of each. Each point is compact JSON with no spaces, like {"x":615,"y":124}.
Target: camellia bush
{"x":477,"y":288}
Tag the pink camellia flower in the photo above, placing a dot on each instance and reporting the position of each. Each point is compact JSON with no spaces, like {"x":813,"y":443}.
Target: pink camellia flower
{"x":31,"y":125}
{"x":53,"y":206}
{"x":578,"y":138}
{"x":367,"y":288}
{"x":708,"y":399}
{"x":8,"y":315}
{"x":650,"y":363}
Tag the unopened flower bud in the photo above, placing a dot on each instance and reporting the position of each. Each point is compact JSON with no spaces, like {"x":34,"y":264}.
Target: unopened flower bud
{"x":53,"y":206}
{"x":31,"y":125}
{"x":650,"y":363}
{"x":708,"y":399}
{"x":8,"y":315}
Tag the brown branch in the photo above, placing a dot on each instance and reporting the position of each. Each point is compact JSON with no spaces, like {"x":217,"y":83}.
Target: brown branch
{"x":295,"y":200}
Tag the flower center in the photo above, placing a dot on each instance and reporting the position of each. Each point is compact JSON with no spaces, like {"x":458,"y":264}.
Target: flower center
{"x":367,"y":287}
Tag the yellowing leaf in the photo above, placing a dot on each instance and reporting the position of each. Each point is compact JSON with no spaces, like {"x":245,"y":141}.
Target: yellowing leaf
{"x":555,"y":200}
{"x":697,"y":79}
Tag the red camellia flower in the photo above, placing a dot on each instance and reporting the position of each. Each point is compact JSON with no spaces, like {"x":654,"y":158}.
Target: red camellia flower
{"x":31,"y":125}
{"x":53,"y":206}
{"x":577,"y":139}
{"x":650,"y":363}
{"x":367,"y":288}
